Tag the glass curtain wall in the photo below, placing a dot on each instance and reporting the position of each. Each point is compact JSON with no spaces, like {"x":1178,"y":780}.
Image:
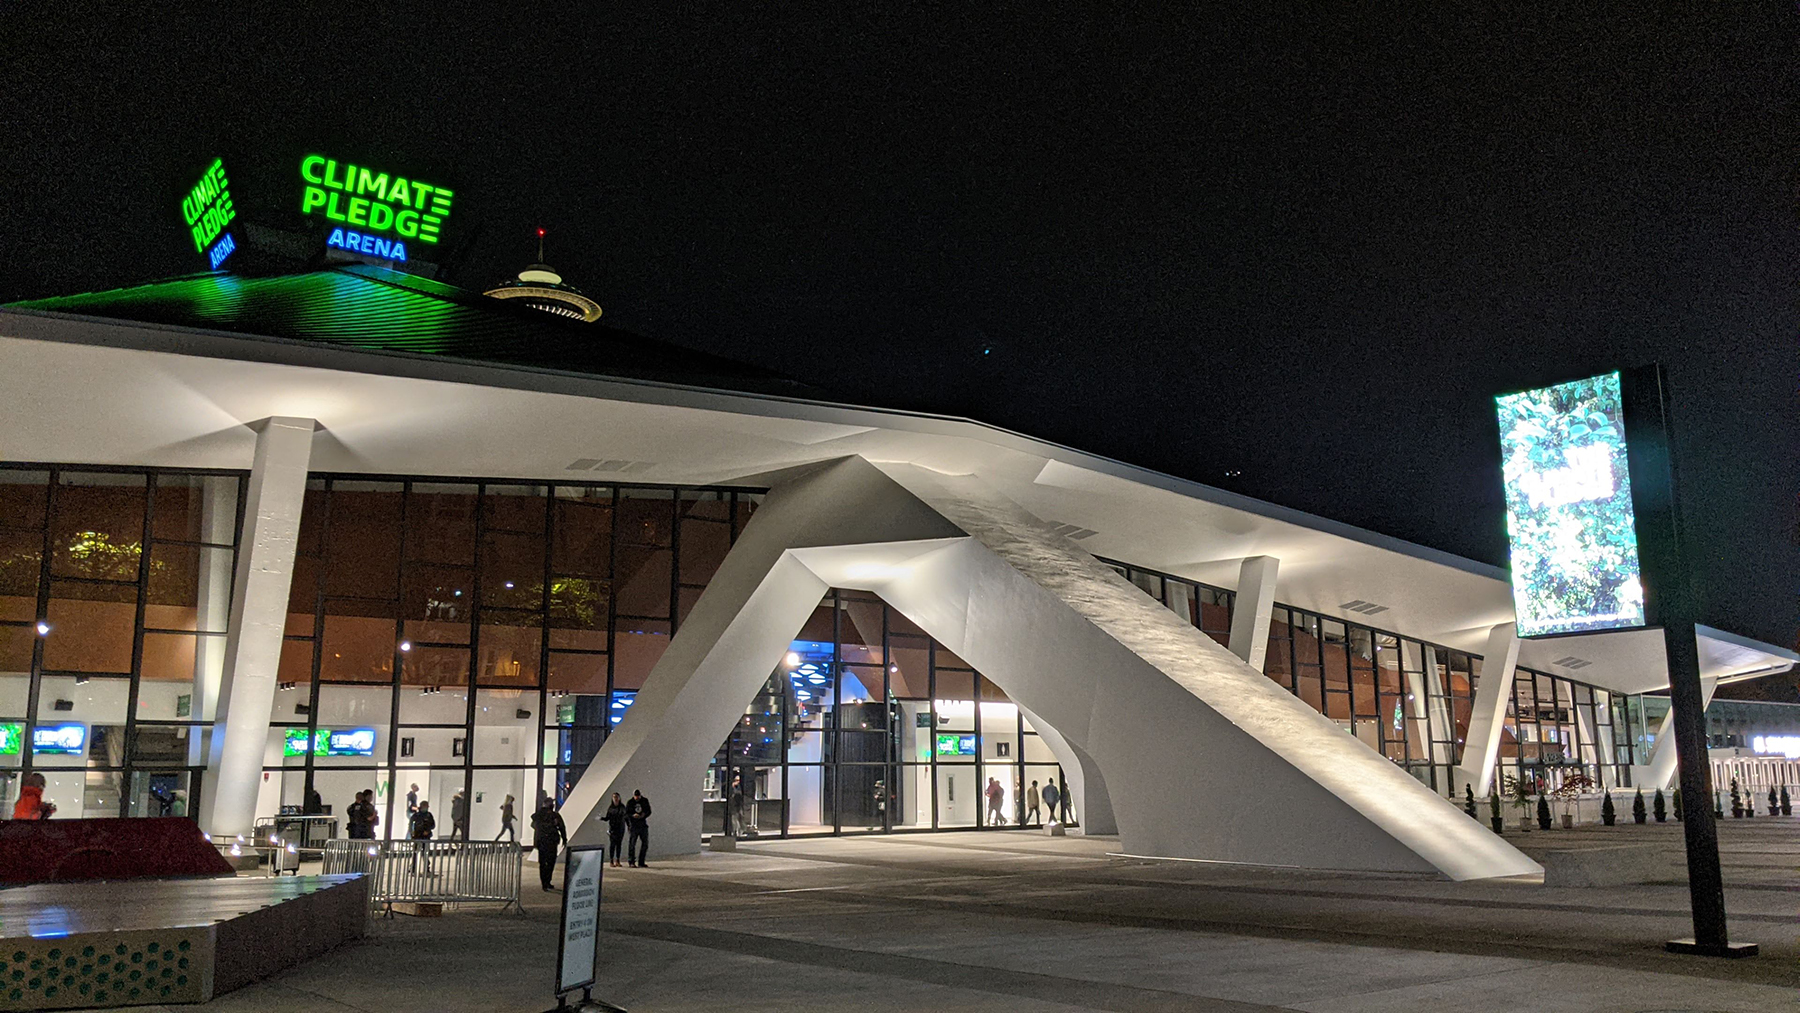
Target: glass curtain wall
{"x":870,"y":726}
{"x":115,"y":589}
{"x":1559,"y":733}
{"x":465,"y":646}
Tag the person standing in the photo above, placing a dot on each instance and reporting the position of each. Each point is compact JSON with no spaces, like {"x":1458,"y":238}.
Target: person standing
{"x":360,"y":817}
{"x":314,"y":804}
{"x":548,"y":833}
{"x":1031,"y":806}
{"x":637,"y":821}
{"x":420,"y":828}
{"x":1051,"y":795}
{"x":459,"y":816}
{"x":615,"y":829}
{"x":423,"y":824}
{"x":31,"y":804}
{"x":506,"y":822}
{"x":412,"y":801}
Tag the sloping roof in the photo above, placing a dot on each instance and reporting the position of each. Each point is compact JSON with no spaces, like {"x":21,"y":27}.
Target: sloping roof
{"x":373,"y":309}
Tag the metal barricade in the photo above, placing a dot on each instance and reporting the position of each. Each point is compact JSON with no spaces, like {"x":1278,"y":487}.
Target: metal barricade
{"x":432,"y":872}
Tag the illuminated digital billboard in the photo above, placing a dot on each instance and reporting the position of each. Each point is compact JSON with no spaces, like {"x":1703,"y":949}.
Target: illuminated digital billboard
{"x":365,"y":202}
{"x":61,"y":740}
{"x":207,"y":210}
{"x":952,"y":744}
{"x":1569,"y":517}
{"x":331,"y":742}
{"x":12,"y":738}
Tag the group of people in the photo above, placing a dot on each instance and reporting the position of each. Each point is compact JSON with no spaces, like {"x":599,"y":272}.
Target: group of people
{"x":549,"y":834}
{"x":1036,"y":803}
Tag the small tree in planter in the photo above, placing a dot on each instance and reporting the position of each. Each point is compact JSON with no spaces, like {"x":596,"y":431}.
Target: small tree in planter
{"x":1607,"y":813}
{"x":1494,"y":819}
{"x":1660,"y":808}
{"x":1637,"y":808}
{"x":1787,"y":808}
{"x":1737,"y":801}
{"x":1519,"y":797}
{"x":1469,"y":800}
{"x":1569,"y":793}
{"x":1678,"y":803}
{"x":1718,"y":804}
{"x":1543,"y":812}
{"x":1774,"y":802}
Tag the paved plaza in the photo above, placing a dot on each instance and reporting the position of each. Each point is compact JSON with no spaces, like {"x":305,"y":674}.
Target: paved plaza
{"x":1016,"y":921}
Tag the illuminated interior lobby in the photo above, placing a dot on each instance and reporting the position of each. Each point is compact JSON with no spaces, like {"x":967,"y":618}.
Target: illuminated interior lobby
{"x":356,"y":529}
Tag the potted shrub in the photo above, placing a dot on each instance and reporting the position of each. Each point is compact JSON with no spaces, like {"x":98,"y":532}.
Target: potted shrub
{"x":1494,"y":819}
{"x":1787,"y":808}
{"x":1637,"y":808}
{"x":1607,"y":813}
{"x":1543,"y":811}
{"x":1678,"y":803}
{"x":1737,"y":801}
{"x":1660,"y":808}
{"x":1469,"y":800}
{"x":1774,"y":801}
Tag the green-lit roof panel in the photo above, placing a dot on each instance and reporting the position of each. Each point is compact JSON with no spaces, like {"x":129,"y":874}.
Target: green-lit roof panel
{"x":379,"y":310}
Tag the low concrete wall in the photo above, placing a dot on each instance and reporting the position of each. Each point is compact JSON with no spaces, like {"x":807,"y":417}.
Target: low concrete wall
{"x":1618,"y":865}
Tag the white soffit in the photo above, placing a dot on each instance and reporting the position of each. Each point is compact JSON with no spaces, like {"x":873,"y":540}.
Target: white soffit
{"x":80,"y":391}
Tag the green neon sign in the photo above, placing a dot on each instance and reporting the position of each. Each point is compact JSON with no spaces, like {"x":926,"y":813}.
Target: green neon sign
{"x":207,"y":210}
{"x":12,"y":739}
{"x":373,"y":201}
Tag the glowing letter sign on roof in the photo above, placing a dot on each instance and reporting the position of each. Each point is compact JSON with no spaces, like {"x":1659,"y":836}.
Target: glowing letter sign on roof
{"x":207,"y":210}
{"x":361,"y":198}
{"x":1569,"y":514}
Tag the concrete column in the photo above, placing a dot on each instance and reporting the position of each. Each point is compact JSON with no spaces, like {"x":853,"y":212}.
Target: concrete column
{"x":1660,"y":771}
{"x":1428,"y":705}
{"x":1492,"y":694}
{"x":218,"y":515}
{"x":1180,"y":599}
{"x":265,"y":567}
{"x":1252,"y":608}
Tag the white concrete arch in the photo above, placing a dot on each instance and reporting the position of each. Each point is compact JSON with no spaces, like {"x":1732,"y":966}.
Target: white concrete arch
{"x":1203,"y":757}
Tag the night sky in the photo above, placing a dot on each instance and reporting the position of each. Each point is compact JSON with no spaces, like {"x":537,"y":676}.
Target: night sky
{"x":1294,"y":258}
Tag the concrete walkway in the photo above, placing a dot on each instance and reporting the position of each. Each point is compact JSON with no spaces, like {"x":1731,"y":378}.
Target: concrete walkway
{"x":1015,"y":921}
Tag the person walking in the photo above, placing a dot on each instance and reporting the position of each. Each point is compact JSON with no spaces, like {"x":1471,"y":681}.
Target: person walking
{"x":1051,"y":795}
{"x":1031,"y":806}
{"x":615,"y":829}
{"x":506,"y":822}
{"x":548,"y":833}
{"x":637,"y":822}
{"x":31,"y":804}
{"x":996,"y":797}
{"x":459,"y":817}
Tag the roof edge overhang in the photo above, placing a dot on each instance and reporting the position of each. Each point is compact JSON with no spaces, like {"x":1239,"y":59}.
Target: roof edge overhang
{"x":49,"y":325}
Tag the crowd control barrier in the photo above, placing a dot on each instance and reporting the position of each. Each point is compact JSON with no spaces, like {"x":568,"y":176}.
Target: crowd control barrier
{"x":431,"y":872}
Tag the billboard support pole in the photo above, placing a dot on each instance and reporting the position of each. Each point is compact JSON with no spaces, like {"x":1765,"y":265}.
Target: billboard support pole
{"x":1669,"y":602}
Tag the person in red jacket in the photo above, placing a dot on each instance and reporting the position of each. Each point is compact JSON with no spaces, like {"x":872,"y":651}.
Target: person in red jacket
{"x":31,"y":804}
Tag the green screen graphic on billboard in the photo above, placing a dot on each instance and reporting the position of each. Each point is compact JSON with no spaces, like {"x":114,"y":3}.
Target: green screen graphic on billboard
{"x":1568,"y":508}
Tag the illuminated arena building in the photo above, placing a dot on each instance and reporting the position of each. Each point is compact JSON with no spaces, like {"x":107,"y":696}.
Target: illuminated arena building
{"x":350,"y":528}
